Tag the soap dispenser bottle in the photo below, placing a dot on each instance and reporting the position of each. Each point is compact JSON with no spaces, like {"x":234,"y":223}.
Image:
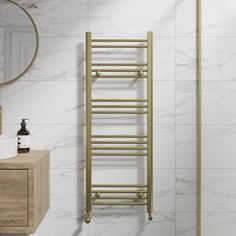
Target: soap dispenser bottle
{"x":23,"y":136}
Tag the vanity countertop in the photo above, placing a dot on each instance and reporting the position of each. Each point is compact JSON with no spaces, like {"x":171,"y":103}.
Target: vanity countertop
{"x":25,"y":160}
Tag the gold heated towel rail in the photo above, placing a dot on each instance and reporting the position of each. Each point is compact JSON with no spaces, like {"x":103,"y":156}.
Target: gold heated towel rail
{"x":142,"y":194}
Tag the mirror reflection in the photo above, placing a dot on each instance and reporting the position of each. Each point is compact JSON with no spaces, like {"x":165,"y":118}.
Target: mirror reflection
{"x":18,"y":41}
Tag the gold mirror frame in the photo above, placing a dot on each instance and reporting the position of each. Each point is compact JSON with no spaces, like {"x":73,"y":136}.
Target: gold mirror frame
{"x":37,"y":44}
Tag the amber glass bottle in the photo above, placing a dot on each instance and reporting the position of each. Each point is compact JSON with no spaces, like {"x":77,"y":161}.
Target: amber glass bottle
{"x":23,"y":138}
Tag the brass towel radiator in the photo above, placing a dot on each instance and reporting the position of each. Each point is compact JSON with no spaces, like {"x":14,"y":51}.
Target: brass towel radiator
{"x":97,"y":193}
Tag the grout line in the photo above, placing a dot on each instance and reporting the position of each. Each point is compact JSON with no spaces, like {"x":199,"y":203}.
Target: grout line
{"x":133,"y":36}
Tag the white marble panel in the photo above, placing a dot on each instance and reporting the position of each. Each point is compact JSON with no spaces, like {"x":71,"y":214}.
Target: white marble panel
{"x":162,"y":224}
{"x":218,"y":58}
{"x":185,"y":17}
{"x":61,"y":17}
{"x":218,"y":146}
{"x":44,"y":102}
{"x":163,"y":100}
{"x":163,"y":146}
{"x":186,"y":146}
{"x":51,"y":136}
{"x":218,"y":224}
{"x":219,"y":99}
{"x":67,"y":190}
{"x":186,"y":58}
{"x":185,"y":102}
{"x":212,"y":105}
{"x":164,"y":58}
{"x":132,"y":18}
{"x":186,"y":188}
{"x":68,"y":157}
{"x":61,"y":224}
{"x":58,"y":59}
{"x":218,"y":193}
{"x":163,"y":187}
{"x":218,"y":18}
{"x":186,"y":224}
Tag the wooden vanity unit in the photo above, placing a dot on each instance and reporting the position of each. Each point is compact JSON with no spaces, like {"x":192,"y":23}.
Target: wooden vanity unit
{"x":24,"y":192}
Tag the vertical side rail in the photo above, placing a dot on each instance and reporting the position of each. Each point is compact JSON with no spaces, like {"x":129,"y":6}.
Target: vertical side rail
{"x":88,"y":126}
{"x":149,"y":125}
{"x":199,"y":119}
{"x":0,"y":120}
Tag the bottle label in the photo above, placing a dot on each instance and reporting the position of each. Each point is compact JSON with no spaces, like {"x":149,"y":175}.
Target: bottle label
{"x":23,"y":141}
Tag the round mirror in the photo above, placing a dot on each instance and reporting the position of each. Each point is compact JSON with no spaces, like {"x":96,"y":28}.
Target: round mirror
{"x":18,"y":41}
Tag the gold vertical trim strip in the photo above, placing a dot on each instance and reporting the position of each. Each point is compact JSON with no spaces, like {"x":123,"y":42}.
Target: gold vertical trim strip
{"x":199,"y":119}
{"x":0,"y":120}
{"x":149,"y":124}
{"x":88,"y":124}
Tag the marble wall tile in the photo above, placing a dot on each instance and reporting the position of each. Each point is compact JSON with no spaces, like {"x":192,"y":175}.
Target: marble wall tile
{"x":218,"y":146}
{"x":58,"y":59}
{"x":218,"y":18}
{"x":217,"y":224}
{"x":186,"y":189}
{"x":115,"y":18}
{"x":185,"y":102}
{"x":68,"y":157}
{"x":162,"y":224}
{"x":163,"y":147}
{"x":186,"y":58}
{"x":164,"y":102}
{"x":41,"y":103}
{"x":51,"y":136}
{"x":67,"y":190}
{"x":219,"y":98}
{"x":186,"y":146}
{"x":164,"y":58}
{"x":185,"y":17}
{"x":61,"y":18}
{"x":60,"y":224}
{"x":163,"y":109}
{"x":186,"y":224}
{"x":218,"y":58}
{"x":164,"y":185}
{"x":218,"y":193}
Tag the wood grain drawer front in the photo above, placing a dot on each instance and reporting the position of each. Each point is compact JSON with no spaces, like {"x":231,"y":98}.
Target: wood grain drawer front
{"x":13,"y":198}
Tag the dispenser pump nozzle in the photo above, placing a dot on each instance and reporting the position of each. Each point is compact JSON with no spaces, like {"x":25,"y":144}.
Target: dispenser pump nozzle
{"x":23,"y":123}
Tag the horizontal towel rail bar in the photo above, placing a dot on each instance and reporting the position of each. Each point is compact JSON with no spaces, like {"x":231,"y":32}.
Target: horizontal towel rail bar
{"x":119,"y":148}
{"x":120,"y":191}
{"x":119,"y":70}
{"x":119,"y":203}
{"x":118,"y":142}
{"x":119,"y":185}
{"x":119,"y":40}
{"x":119,"y":106}
{"x":119,"y":136}
{"x":119,"y":100}
{"x":119,"y":154}
{"x":119,"y":46}
{"x":118,"y":112}
{"x":121,"y":197}
{"x":119,"y":64}
{"x":119,"y":76}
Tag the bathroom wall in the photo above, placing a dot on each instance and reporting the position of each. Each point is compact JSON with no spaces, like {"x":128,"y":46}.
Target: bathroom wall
{"x":51,"y":95}
{"x":219,"y":118}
